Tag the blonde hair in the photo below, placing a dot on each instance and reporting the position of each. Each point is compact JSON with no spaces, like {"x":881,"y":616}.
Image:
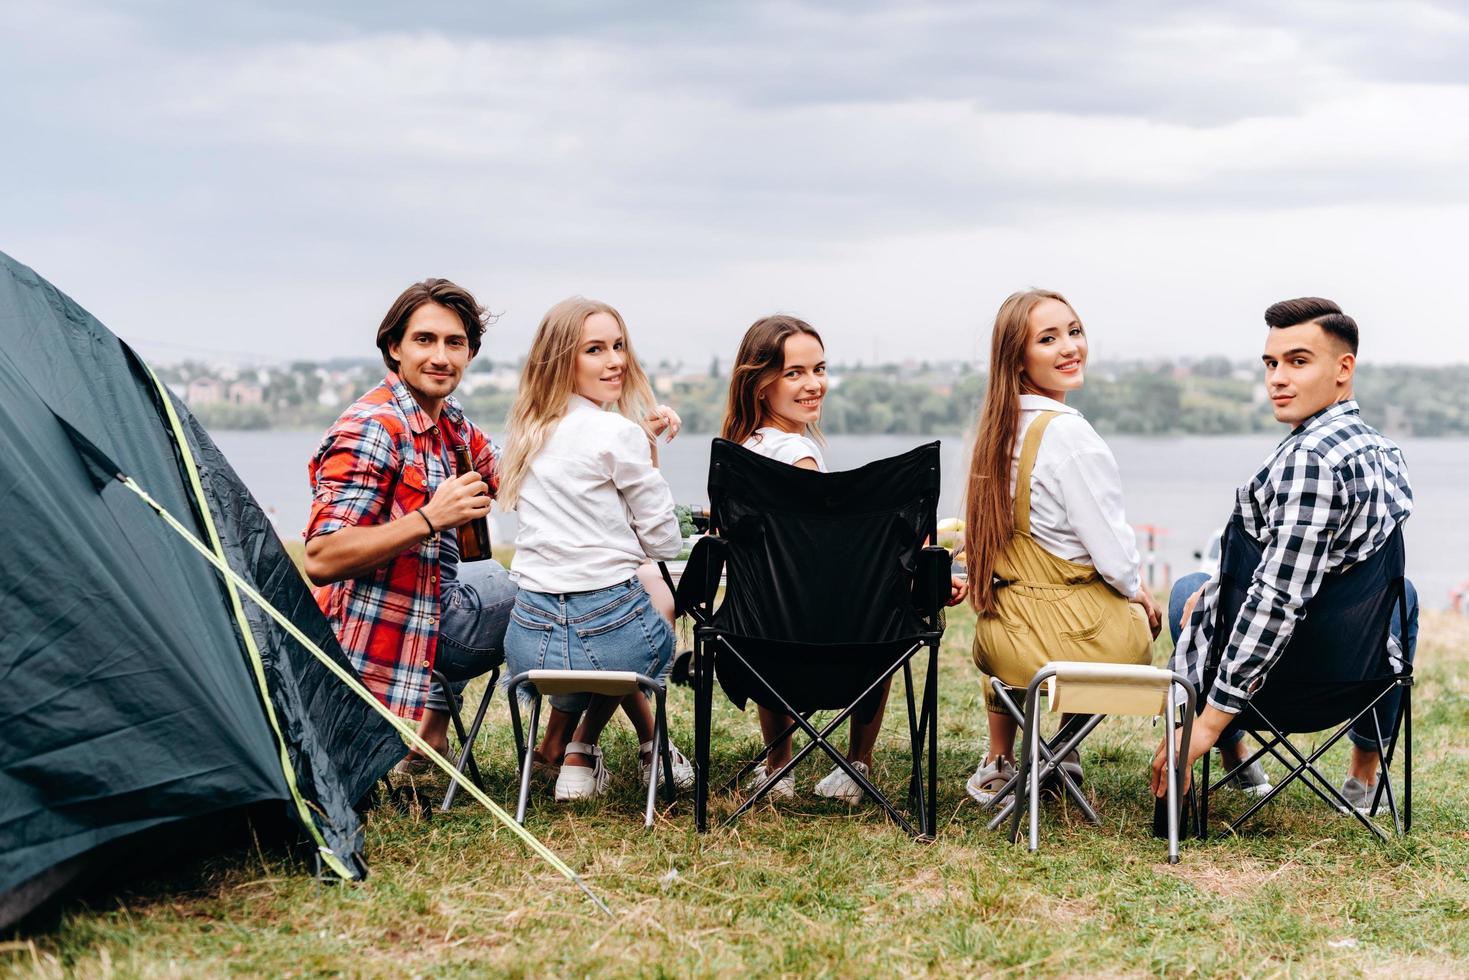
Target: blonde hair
{"x":547,"y":382}
{"x":989,"y":507}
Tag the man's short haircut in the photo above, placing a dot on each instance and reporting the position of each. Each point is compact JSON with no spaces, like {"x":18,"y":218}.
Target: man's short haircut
{"x":444,"y":293}
{"x":1314,"y":309}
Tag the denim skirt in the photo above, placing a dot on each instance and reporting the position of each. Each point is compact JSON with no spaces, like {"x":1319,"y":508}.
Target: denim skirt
{"x":615,"y":628}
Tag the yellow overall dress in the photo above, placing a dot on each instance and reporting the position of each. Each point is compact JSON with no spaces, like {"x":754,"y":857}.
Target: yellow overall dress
{"x":1048,"y":608}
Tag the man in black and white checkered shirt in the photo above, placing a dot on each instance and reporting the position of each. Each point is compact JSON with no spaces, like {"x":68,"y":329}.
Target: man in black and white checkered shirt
{"x":1329,"y":496}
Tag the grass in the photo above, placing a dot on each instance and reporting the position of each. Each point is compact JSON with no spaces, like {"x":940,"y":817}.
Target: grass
{"x":813,"y":888}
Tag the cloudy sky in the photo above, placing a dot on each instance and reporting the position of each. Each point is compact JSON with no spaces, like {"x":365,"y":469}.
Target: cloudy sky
{"x":223,"y":179}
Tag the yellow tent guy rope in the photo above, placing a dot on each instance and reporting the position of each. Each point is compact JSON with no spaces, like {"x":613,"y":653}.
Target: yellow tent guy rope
{"x":331,"y":859}
{"x":404,"y":729}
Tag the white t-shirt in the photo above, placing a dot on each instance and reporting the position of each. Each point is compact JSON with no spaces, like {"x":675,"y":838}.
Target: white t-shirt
{"x":785,"y":447}
{"x":1076,"y":508}
{"x":593,"y":507}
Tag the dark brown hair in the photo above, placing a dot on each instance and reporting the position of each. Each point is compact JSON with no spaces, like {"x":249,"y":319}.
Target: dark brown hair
{"x":1314,"y":309}
{"x":760,"y":359}
{"x":444,"y":293}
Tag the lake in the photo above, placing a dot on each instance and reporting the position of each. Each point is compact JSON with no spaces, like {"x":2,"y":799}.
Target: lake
{"x":1182,"y":485}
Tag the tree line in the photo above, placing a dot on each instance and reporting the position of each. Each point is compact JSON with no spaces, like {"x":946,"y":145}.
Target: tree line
{"x":1207,"y":397}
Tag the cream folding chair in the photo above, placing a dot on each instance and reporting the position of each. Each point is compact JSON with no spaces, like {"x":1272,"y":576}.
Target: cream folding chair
{"x":1100,"y":689}
{"x":611,"y":683}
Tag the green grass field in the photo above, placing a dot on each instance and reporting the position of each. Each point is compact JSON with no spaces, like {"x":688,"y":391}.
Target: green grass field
{"x":813,"y":888}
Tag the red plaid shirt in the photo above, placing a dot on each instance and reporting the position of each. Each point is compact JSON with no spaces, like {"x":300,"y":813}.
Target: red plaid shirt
{"x":382,"y":459}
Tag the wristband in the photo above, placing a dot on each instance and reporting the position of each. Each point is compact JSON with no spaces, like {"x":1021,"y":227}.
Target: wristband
{"x":431,"y":528}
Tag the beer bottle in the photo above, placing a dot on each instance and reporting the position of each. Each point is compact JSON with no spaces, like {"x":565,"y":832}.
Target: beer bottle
{"x":474,"y":537}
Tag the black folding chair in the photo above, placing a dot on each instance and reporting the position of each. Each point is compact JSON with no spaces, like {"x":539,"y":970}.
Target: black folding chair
{"x":466,"y":737}
{"x":1335,"y":670}
{"x":831,"y":590}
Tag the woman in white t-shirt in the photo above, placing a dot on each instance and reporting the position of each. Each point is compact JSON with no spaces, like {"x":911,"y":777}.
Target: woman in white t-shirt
{"x":775,"y":394}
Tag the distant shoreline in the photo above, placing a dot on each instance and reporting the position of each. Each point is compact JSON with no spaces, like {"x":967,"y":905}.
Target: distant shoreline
{"x":925,"y":399}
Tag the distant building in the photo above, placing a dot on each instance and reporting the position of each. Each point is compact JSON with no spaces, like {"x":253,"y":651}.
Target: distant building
{"x":205,"y":391}
{"x":246,"y":393}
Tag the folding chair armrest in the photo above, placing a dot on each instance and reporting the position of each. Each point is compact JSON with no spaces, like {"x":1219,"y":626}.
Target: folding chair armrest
{"x":700,"y":582}
{"x":931,"y":583}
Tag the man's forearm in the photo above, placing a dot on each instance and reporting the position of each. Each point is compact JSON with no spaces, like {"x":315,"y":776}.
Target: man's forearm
{"x":1208,"y":726}
{"x":354,"y":551}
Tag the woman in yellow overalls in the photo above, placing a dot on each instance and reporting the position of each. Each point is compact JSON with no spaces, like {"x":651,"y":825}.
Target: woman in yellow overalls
{"x":1053,"y":563}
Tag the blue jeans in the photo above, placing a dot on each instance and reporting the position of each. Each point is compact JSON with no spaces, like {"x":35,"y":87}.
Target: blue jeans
{"x":1364,"y":732}
{"x":474,"y":611}
{"x":615,"y":628}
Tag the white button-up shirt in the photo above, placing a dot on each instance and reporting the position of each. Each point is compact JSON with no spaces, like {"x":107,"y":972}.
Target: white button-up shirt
{"x":593,"y":507}
{"x":1076,"y":496}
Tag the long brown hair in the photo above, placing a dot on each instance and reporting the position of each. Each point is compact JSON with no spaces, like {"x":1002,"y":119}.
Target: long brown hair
{"x":989,"y":508}
{"x":546,"y":383}
{"x":759,"y":361}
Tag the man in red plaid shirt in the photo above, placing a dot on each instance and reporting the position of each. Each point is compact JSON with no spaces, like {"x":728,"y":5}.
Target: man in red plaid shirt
{"x":381,"y":543}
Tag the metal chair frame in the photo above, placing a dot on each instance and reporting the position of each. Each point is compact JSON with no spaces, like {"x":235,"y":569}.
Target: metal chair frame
{"x":1055,"y":748}
{"x":601,"y":681}
{"x":922,"y":734}
{"x":1036,"y":766}
{"x":466,"y":738}
{"x":1303,"y":767}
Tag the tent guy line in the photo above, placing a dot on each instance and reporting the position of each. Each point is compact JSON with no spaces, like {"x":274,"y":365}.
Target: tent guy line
{"x":191,"y":467}
{"x":403,"y":728}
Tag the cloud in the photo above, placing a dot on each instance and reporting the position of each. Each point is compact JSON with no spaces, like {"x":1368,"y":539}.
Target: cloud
{"x":279,"y":167}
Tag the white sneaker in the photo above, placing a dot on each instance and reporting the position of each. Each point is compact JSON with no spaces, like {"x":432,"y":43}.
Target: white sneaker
{"x":1359,"y":795}
{"x":989,"y":779}
{"x":683,"y":769}
{"x":581,"y":782}
{"x":1251,"y":780}
{"x":784,"y":788}
{"x":837,"y":785}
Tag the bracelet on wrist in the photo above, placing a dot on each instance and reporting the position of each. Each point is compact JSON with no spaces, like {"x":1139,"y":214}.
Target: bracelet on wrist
{"x":431,"y":528}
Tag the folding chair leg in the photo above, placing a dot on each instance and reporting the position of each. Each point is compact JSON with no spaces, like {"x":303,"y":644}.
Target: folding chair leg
{"x":1173,"y":789}
{"x":749,"y":767}
{"x":1408,"y":759}
{"x":665,"y":755}
{"x":820,"y":739}
{"x":529,"y":759}
{"x":1178,"y":765}
{"x":659,"y":720}
{"x":915,"y":748}
{"x":1027,"y":776}
{"x":1069,"y":738}
{"x":1203,"y":829}
{"x":1304,"y":765}
{"x":458,"y":722}
{"x":703,"y":705}
{"x":466,"y":744}
{"x":931,"y":719}
{"x":1384,"y":780}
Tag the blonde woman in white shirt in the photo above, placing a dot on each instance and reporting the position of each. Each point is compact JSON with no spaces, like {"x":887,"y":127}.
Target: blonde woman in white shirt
{"x":1053,"y":564}
{"x":593,"y":509}
{"x":775,"y":393}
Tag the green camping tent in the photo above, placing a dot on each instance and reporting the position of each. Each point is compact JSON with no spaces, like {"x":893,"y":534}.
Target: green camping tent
{"x":137,"y":689}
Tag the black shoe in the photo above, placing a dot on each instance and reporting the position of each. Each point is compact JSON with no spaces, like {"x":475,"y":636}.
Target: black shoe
{"x":682,"y":663}
{"x":1052,"y":788}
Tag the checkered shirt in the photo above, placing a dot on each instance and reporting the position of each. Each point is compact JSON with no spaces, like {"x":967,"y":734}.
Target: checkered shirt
{"x":1329,"y":496}
{"x":381,"y":460}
